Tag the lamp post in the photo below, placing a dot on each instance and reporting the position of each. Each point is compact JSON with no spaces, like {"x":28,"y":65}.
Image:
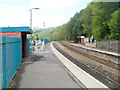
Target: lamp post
{"x":31,"y":16}
{"x":31,"y":21}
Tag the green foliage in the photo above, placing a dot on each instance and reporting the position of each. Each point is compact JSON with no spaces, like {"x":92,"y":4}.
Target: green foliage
{"x":101,"y":16}
{"x":114,"y":26}
{"x":87,"y":20}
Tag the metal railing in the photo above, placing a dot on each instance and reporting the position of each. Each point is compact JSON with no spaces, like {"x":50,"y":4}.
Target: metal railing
{"x":28,"y":46}
{"x":10,"y":59}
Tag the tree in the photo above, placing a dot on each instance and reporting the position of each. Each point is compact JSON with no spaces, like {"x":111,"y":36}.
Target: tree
{"x":101,"y":16}
{"x":114,"y":26}
{"x":87,"y":21}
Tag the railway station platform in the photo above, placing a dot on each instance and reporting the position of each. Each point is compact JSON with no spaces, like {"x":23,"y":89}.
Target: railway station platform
{"x":95,"y":49}
{"x":50,"y":69}
{"x":43,"y":69}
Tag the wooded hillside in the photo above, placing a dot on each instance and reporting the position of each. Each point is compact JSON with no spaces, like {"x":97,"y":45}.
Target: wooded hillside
{"x":99,"y":19}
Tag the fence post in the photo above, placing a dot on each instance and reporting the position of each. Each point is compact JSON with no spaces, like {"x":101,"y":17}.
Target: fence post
{"x":28,"y":46}
{"x":4,"y":61}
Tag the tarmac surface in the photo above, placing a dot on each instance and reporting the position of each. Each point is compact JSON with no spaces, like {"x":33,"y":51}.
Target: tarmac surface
{"x":42,"y":69}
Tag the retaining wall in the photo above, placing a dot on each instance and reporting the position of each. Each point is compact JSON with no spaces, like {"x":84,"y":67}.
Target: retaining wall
{"x":110,"y":45}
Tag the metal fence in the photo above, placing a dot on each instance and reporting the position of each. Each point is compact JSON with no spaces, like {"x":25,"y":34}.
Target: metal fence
{"x":28,"y":46}
{"x":10,"y":58}
{"x":45,"y":40}
{"x":1,"y":75}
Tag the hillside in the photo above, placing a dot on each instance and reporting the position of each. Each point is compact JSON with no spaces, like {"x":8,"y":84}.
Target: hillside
{"x":98,"y":19}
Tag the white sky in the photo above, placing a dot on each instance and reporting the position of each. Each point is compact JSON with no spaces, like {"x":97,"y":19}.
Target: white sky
{"x":52,"y":12}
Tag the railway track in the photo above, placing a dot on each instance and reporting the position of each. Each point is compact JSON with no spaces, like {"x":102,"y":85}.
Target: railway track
{"x":100,"y":74}
{"x":94,"y":58}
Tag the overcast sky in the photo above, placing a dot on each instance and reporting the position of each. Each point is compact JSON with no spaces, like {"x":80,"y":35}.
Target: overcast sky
{"x":52,"y":12}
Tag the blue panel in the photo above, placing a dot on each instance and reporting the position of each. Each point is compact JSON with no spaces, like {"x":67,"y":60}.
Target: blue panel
{"x":1,"y":63}
{"x":2,"y":39}
{"x":1,"y":67}
{"x":28,"y":46}
{"x":11,"y":58}
{"x":9,"y":39}
{"x":4,"y":64}
{"x":45,"y":40}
